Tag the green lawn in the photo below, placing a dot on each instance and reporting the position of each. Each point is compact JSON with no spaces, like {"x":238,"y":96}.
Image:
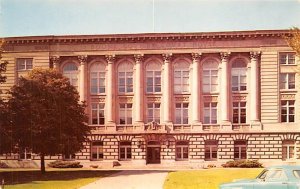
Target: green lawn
{"x":53,"y":179}
{"x":207,"y":178}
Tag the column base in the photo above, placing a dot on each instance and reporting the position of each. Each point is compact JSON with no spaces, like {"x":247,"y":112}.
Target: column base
{"x":256,"y":125}
{"x":226,"y":126}
{"x":197,"y":126}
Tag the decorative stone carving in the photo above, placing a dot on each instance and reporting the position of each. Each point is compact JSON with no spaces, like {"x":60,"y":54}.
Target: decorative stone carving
{"x":167,"y":57}
{"x":138,"y":58}
{"x":110,"y":58}
{"x":152,"y":125}
{"x":239,"y":98}
{"x":224,"y":55}
{"x":210,"y":98}
{"x":254,"y":55}
{"x":54,"y":60}
{"x":153,"y":99}
{"x":196,"y":56}
{"x":182,"y":99}
{"x":82,"y":59}
{"x":126,"y":99}
{"x":287,"y":97}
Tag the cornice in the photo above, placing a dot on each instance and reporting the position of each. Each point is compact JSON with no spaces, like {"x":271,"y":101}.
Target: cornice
{"x":144,"y":37}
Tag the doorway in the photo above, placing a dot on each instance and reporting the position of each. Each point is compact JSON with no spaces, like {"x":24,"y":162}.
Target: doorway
{"x":153,"y":152}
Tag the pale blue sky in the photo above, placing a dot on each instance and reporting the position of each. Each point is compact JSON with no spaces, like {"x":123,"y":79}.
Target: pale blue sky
{"x":61,"y":17}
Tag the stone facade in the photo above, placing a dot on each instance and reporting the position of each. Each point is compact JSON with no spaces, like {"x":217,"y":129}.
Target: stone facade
{"x":181,"y":99}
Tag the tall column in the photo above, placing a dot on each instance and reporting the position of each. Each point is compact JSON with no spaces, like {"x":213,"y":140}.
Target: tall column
{"x":82,"y":60}
{"x":138,"y":94}
{"x":109,"y":89}
{"x":167,"y":88}
{"x":224,"y":89}
{"x":196,"y":90}
{"x":254,"y":106}
{"x":54,"y":60}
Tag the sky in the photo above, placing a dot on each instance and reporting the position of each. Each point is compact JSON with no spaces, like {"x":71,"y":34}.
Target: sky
{"x":77,"y":17}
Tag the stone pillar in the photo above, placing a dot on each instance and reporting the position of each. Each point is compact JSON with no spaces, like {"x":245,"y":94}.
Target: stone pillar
{"x":109,"y":89}
{"x":167,"y":88}
{"x":82,"y":88}
{"x":224,"y":91}
{"x":54,"y":60}
{"x":196,"y":91}
{"x":138,"y":88}
{"x":254,"y":89}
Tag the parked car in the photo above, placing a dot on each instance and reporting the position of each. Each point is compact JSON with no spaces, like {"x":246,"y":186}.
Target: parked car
{"x":276,"y":177}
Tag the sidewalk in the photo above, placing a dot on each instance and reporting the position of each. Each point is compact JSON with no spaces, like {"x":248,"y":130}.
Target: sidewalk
{"x":131,"y":179}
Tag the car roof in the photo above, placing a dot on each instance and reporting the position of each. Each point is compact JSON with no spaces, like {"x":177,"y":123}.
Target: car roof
{"x":286,"y":167}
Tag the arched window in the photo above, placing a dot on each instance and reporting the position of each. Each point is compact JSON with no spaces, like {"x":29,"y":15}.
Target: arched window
{"x":97,"y":78}
{"x":239,"y":75}
{"x":125,"y":77}
{"x":181,"y":78}
{"x":210,"y":76}
{"x":153,"y":77}
{"x":70,"y":70}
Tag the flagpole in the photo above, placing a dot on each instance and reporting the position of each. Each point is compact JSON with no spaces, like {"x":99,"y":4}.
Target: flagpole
{"x":153,"y":19}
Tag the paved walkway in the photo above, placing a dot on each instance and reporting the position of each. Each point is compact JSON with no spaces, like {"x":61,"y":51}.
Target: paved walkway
{"x":131,"y":179}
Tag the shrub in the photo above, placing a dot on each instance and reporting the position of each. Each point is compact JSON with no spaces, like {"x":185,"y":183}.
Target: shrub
{"x":243,"y":164}
{"x":3,"y":165}
{"x":211,"y":166}
{"x":65,"y":164}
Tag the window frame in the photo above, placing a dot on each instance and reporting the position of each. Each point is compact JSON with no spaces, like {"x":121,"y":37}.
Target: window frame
{"x":28,"y":62}
{"x":153,"y":75}
{"x":239,"y":108}
{"x":98,"y":110}
{"x":181,"y":111}
{"x":72,"y":75}
{"x":184,"y":88}
{"x":290,"y":146}
{"x":210,"y":76}
{"x":210,"y":110}
{"x":155,"y":110}
{"x":182,"y":149}
{"x":212,"y":146}
{"x":27,"y":154}
{"x":286,"y":83}
{"x":98,"y":75}
{"x":240,"y":149}
{"x":99,"y":148}
{"x":127,"y":150}
{"x":289,"y":59}
{"x":289,"y":108}
{"x":127,"y":113}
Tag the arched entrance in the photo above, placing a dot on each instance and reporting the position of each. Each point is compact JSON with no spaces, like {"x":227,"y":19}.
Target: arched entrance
{"x":153,"y":152}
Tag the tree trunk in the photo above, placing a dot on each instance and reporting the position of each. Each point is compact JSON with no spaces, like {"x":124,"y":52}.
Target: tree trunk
{"x":43,"y":170}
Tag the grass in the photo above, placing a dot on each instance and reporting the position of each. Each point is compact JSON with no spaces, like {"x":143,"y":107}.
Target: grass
{"x":53,"y":179}
{"x":207,"y":178}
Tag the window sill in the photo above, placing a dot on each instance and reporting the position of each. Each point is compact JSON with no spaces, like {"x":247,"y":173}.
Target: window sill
{"x":288,"y":90}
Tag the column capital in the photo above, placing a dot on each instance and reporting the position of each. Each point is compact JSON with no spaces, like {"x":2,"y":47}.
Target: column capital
{"x":167,"y":57}
{"x":138,"y":58}
{"x":110,"y":58}
{"x":54,"y":60}
{"x":224,"y":55}
{"x":82,"y":59}
{"x":254,"y":54}
{"x":196,"y":56}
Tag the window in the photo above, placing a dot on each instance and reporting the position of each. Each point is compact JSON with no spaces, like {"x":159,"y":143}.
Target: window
{"x":272,"y":174}
{"x":210,"y":76}
{"x":210,"y":112}
{"x":24,"y":64}
{"x":125,"y":150}
{"x":211,"y":150}
{"x":70,"y":71}
{"x":287,"y":111}
{"x":97,"y":150}
{"x":239,"y":112}
{"x":240,"y":149}
{"x":238,"y":76}
{"x":287,"y":58}
{"x":97,"y":78}
{"x":287,"y":81}
{"x":181,"y":113}
{"x":125,"y":78}
{"x":181,"y":78}
{"x":153,"y":112}
{"x":182,"y":150}
{"x":153,"y":78}
{"x":288,"y":149}
{"x":25,"y":154}
{"x":68,"y":156}
{"x":98,"y":114}
{"x":125,"y":114}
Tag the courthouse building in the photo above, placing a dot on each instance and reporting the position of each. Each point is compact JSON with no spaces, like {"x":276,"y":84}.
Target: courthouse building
{"x":174,"y":98}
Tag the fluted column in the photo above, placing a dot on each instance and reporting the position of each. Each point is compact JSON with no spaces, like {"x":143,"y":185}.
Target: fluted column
{"x":82,"y":60}
{"x":196,"y":90}
{"x":225,"y":88}
{"x":254,"y":107}
{"x":167,"y":88}
{"x":109,"y":89}
{"x":54,"y":60}
{"x":138,"y":92}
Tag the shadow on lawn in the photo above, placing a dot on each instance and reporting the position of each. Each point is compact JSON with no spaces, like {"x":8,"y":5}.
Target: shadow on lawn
{"x":22,"y":177}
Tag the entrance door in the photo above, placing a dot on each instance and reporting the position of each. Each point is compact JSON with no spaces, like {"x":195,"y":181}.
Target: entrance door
{"x":153,"y":155}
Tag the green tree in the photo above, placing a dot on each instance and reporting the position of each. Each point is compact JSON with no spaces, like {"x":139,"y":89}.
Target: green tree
{"x":47,"y":117}
{"x":294,"y":40}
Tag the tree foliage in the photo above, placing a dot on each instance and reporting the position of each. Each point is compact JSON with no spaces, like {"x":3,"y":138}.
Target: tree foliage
{"x":294,"y":40}
{"x":47,"y":117}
